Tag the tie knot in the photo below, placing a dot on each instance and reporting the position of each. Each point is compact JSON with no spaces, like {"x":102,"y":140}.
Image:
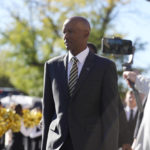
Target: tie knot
{"x":131,"y":110}
{"x":74,"y":60}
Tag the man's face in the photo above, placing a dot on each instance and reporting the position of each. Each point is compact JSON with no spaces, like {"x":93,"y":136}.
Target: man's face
{"x":130,"y":100}
{"x":74,"y":36}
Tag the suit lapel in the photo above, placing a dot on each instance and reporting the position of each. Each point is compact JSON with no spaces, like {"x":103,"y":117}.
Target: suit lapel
{"x":89,"y":62}
{"x":63,"y":75}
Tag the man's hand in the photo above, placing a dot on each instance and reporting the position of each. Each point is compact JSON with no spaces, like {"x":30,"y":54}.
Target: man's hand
{"x":129,"y":76}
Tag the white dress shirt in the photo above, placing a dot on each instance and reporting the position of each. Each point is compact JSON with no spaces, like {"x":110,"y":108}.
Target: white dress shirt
{"x":81,"y":59}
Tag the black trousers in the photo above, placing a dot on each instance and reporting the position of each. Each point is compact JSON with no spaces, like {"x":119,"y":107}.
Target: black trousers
{"x":67,"y":144}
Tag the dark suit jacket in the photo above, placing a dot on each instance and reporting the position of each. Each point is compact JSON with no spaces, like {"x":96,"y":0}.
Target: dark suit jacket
{"x":126,"y":130}
{"x":91,"y":115}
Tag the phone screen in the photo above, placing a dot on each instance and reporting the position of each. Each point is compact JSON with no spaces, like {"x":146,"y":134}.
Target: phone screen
{"x":117,"y":46}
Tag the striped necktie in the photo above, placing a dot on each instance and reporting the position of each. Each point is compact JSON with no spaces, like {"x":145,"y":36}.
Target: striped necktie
{"x":73,"y":77}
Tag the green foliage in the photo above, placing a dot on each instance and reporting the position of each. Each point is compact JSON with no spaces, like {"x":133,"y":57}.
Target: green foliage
{"x":33,"y":39}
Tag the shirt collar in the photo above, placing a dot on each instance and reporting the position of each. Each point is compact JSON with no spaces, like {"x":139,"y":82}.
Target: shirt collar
{"x":81,"y":56}
{"x":128,"y":108}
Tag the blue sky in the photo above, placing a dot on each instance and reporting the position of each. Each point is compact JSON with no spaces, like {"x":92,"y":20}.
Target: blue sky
{"x":133,"y":20}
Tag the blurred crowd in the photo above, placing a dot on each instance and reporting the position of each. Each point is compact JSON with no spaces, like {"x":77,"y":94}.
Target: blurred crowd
{"x":140,"y":140}
{"x":19,"y":128}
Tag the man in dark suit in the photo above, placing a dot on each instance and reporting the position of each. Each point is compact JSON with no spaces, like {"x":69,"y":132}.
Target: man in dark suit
{"x":128,"y":121}
{"x":80,"y":103}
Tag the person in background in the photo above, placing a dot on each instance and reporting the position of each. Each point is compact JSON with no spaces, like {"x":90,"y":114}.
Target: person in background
{"x":36,"y":135}
{"x":128,"y":123}
{"x":92,"y":47}
{"x":16,"y":139}
{"x":80,"y":100}
{"x":142,"y":84}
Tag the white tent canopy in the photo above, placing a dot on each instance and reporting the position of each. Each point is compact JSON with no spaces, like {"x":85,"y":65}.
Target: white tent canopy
{"x":25,"y":101}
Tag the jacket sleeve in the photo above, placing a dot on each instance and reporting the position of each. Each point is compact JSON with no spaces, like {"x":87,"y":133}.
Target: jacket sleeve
{"x":142,"y":84}
{"x":47,"y":105}
{"x":110,"y":106}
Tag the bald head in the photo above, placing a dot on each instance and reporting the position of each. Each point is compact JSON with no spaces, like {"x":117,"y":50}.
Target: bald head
{"x":76,"y":32}
{"x":81,"y":22}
